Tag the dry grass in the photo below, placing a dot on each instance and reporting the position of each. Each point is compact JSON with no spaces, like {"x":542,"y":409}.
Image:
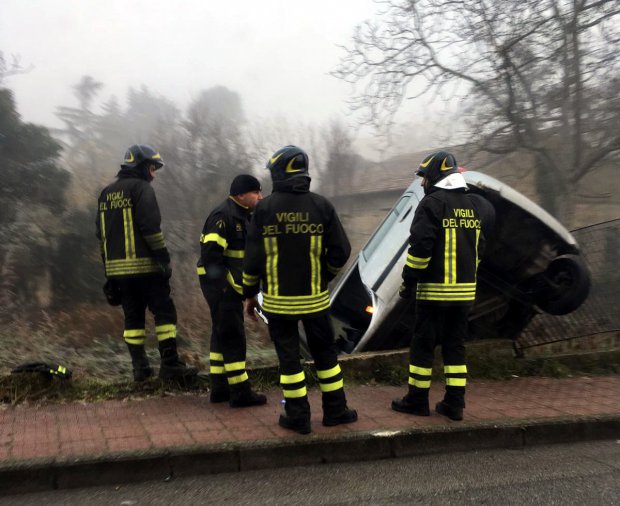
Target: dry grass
{"x":88,"y":340}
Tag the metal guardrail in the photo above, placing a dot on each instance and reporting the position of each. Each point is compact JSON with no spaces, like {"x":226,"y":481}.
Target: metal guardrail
{"x":600,"y":313}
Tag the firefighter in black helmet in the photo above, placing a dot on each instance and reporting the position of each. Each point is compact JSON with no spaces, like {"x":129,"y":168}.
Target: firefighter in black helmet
{"x":137,"y":262}
{"x":295,"y":245}
{"x":222,"y":246}
{"x":448,"y":235}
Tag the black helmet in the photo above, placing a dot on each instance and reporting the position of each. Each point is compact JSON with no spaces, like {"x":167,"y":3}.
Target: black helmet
{"x":139,"y":153}
{"x":287,"y":163}
{"x":436,"y":166}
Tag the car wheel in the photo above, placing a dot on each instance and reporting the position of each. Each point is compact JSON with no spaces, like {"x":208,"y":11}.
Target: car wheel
{"x":566,"y":285}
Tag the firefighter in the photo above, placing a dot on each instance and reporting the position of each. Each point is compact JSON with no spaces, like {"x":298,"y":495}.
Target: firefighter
{"x":137,"y":262}
{"x":222,"y":245}
{"x":295,"y":245}
{"x":448,"y":234}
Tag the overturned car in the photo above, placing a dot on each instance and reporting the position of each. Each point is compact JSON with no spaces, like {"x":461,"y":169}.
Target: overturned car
{"x":532,"y":264}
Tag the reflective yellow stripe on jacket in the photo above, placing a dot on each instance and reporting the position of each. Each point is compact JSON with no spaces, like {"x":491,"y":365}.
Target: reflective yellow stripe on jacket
{"x":130,"y":240}
{"x":271,"y":253}
{"x":295,"y":305}
{"x":216,"y":238}
{"x":316,"y":246}
{"x":125,"y":266}
{"x":450,"y":256}
{"x":417,"y":262}
{"x":446,"y":292}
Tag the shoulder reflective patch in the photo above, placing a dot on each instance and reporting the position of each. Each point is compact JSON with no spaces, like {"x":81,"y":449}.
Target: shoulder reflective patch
{"x":216,"y":238}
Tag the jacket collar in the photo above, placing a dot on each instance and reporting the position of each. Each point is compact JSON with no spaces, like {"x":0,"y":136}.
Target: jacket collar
{"x":300,"y":184}
{"x":239,"y":210}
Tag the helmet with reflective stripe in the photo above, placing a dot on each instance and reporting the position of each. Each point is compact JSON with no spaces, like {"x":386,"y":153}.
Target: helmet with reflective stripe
{"x":436,"y":166}
{"x":287,"y":163}
{"x":140,"y":153}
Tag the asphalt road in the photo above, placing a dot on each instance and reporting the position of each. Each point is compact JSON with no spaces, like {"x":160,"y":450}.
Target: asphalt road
{"x":581,"y":473}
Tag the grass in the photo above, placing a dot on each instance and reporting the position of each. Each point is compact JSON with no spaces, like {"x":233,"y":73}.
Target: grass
{"x":89,"y":341}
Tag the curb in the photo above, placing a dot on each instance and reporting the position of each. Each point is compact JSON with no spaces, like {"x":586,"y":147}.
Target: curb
{"x":130,"y":467}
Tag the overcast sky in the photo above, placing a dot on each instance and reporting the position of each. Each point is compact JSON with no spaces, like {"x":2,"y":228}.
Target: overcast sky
{"x":276,"y":54}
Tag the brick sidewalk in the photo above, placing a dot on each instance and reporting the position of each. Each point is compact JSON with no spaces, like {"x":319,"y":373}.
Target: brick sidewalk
{"x":79,"y":430}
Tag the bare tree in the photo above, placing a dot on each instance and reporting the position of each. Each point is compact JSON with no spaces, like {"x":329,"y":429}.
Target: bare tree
{"x":341,"y":159}
{"x":266,"y":135}
{"x":11,"y":68}
{"x":80,"y":140}
{"x":536,"y":75}
{"x":215,"y":151}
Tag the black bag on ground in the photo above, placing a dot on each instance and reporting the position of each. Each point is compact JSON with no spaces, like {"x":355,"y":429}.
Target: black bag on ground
{"x":53,"y":370}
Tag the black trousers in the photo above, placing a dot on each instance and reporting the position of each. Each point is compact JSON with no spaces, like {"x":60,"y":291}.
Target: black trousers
{"x":228,"y":340}
{"x":138,"y":294}
{"x":446,"y":326}
{"x":320,"y":336}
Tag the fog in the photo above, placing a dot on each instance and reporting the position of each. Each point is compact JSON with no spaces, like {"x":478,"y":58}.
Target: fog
{"x":217,"y":88}
{"x":276,"y":54}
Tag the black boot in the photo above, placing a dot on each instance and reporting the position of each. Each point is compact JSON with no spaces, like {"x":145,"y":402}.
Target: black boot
{"x":453,"y":403}
{"x":173,"y":368}
{"x":299,"y":425}
{"x":220,"y":391}
{"x":335,"y":410}
{"x":242,"y":396}
{"x":346,"y":416}
{"x":296,"y":416}
{"x":414,"y":403}
{"x":140,"y":362}
{"x":452,"y":412}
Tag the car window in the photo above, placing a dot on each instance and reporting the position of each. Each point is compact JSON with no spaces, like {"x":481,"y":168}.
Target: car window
{"x":380,"y":234}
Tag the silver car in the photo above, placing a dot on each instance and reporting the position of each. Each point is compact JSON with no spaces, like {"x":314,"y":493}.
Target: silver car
{"x":532,"y":264}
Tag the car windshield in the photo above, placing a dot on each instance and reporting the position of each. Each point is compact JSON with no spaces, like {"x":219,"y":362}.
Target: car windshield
{"x":377,"y":239}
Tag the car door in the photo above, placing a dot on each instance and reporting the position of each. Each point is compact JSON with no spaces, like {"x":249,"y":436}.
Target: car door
{"x":382,"y":254}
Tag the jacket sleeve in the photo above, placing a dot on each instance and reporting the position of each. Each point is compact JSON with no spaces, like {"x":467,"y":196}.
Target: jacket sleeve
{"x":423,"y":234}
{"x":254,"y":257}
{"x":213,"y":243}
{"x":148,"y":221}
{"x":99,"y":234}
{"x":486,"y":211}
{"x":337,"y":247}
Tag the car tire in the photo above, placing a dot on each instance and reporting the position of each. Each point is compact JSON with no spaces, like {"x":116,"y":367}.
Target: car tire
{"x":566,"y":285}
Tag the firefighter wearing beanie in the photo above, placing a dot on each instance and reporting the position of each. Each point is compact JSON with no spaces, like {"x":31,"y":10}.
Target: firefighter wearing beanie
{"x":222,"y":246}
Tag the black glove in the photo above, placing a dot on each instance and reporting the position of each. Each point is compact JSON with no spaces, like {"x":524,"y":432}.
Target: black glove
{"x":166,"y":271}
{"x":112,"y":293}
{"x":406,"y":291}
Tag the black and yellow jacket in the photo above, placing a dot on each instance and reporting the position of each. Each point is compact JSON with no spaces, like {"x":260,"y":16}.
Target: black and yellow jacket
{"x":295,"y":245}
{"x":222,"y":244}
{"x":445,"y":246}
{"x":129,"y":228}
